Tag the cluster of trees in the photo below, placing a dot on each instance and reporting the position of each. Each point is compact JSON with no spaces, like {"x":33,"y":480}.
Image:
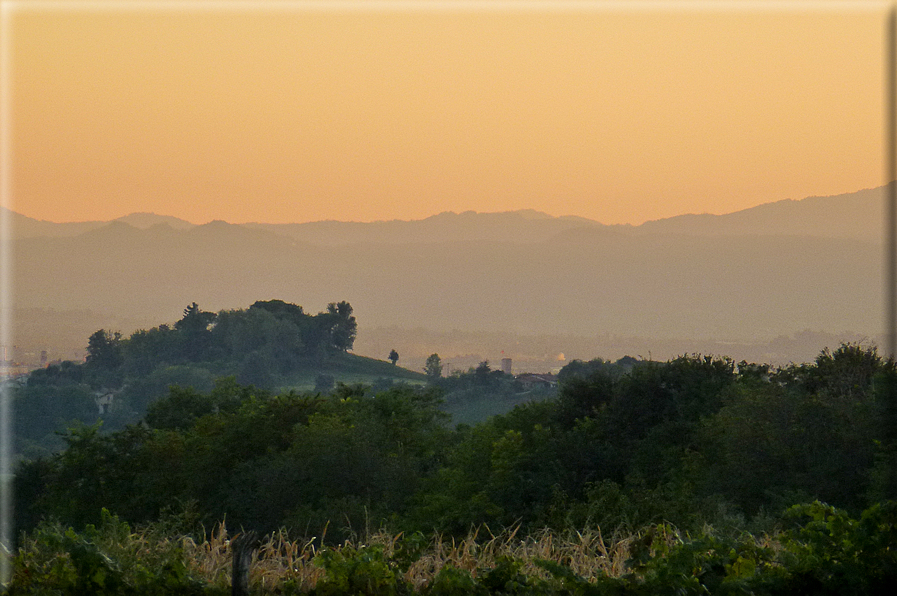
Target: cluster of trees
{"x":272,"y":331}
{"x":261,"y":345}
{"x":697,"y":439}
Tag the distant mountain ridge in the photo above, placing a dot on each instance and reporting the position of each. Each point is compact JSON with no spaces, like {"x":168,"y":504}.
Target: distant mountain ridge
{"x":857,"y":216}
{"x":584,"y":281}
{"x":752,"y":275}
{"x":147,"y":220}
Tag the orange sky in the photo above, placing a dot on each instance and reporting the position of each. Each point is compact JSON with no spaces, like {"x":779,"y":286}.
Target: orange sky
{"x":290,"y":112}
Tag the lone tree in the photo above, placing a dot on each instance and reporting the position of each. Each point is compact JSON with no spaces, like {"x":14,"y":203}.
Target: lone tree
{"x":433,"y":368}
{"x":394,"y":356}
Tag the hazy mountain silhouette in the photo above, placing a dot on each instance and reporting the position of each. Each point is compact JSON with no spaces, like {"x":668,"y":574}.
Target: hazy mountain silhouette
{"x":518,"y":272}
{"x":148,"y":220}
{"x":858,"y":215}
{"x":27,"y":227}
{"x":511,"y":226}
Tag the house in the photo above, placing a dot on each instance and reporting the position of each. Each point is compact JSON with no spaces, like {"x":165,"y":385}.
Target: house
{"x":533,"y":380}
{"x":103,"y":399}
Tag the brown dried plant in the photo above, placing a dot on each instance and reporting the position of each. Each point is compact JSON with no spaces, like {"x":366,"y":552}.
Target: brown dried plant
{"x":278,"y":559}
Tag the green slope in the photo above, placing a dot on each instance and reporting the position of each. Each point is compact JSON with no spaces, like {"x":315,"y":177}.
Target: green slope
{"x":350,"y":369}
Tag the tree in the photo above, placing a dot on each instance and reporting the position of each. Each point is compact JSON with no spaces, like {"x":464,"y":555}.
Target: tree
{"x":195,"y":320}
{"x":194,"y":328}
{"x":433,"y":368}
{"x":104,"y":360}
{"x":481,"y":373}
{"x":394,"y":356}
{"x":342,"y":333}
{"x":179,"y":410}
{"x":104,"y":350}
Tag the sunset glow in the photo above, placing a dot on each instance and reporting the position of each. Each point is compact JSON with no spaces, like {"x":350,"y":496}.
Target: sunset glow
{"x":288,"y":113}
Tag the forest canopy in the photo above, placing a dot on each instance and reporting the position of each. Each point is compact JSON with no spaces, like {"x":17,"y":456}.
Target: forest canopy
{"x":693,"y":440}
{"x":697,"y":442}
{"x":264,"y":345}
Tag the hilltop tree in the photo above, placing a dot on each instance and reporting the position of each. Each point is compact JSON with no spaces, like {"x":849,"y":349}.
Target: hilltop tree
{"x":433,"y":368}
{"x":343,"y":327}
{"x":195,"y":320}
{"x":194,"y":329}
{"x":481,"y":373}
{"x":282,"y":309}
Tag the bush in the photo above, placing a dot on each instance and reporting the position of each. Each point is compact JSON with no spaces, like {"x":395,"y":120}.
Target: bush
{"x":104,"y":560}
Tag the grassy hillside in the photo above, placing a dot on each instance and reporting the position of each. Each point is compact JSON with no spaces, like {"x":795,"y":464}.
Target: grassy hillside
{"x":352,"y":369}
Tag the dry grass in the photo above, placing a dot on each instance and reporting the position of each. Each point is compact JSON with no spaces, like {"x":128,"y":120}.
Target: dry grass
{"x":588,"y":554}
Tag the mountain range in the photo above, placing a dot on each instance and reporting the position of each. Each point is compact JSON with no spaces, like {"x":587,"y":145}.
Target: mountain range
{"x":749,"y":276}
{"x":857,"y":215}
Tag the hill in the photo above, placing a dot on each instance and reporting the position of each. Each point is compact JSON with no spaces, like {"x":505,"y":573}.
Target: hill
{"x":272,"y":345}
{"x":351,"y":369}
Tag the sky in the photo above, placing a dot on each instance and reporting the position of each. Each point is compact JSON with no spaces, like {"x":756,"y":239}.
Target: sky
{"x":290,"y":112}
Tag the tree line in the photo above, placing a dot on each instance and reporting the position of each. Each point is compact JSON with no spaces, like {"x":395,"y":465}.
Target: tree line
{"x":691,"y":441}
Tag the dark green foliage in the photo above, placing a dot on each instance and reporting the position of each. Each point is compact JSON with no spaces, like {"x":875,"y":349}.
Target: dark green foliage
{"x":689,"y":442}
{"x":847,"y":373}
{"x":475,"y":395}
{"x":454,"y":582}
{"x":324,"y":383}
{"x":45,"y":408}
{"x":433,"y":367}
{"x":100,"y":561}
{"x":586,"y":389}
{"x":256,"y":370}
{"x":830,"y":553}
{"x":358,"y":572}
{"x":259,"y":460}
{"x":180,"y":410}
{"x":342,"y":324}
{"x":66,"y":372}
{"x":195,"y":335}
{"x":264,"y":346}
{"x":142,"y":391}
{"x":104,"y":350}
{"x":824,"y":551}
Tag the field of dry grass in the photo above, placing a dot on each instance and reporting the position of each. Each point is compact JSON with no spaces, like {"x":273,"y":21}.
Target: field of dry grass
{"x":278,"y":559}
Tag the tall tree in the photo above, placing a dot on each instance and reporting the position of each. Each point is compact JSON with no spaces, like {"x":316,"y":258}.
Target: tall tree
{"x":433,"y":367}
{"x":342,"y":333}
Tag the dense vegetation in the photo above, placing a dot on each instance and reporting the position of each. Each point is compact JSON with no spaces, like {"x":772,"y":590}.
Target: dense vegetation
{"x":821,"y":551}
{"x":698,"y":443}
{"x":271,"y":344}
{"x":475,"y":395}
{"x":689,"y":441}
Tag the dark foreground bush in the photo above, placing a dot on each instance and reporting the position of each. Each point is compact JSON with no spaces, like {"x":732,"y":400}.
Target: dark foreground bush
{"x":104,"y":560}
{"x":822,"y":552}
